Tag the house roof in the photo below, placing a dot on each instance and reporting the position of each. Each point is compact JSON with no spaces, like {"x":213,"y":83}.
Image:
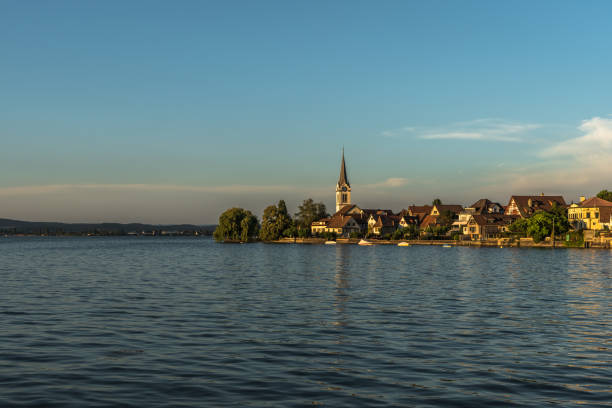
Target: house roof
{"x":429,"y":220}
{"x":454,"y":208}
{"x":538,"y":203}
{"x":414,"y":209}
{"x":483,"y":205}
{"x":386,"y":221}
{"x":344,"y":210}
{"x":493,"y":219}
{"x":339,"y":221}
{"x":595,"y":202}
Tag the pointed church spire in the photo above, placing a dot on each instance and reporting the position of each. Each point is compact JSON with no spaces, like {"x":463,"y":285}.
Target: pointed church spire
{"x":343,"y":177}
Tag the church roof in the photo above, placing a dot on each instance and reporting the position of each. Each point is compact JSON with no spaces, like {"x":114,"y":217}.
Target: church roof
{"x":343,"y":177}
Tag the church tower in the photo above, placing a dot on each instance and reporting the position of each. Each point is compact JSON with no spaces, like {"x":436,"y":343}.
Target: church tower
{"x":343,"y":189}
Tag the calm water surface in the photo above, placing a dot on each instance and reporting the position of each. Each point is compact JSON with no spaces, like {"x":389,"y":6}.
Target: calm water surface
{"x":148,"y":322}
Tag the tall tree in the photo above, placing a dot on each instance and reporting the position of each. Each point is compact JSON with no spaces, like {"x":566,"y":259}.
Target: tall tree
{"x":436,"y":201}
{"x":236,"y":224}
{"x":308,"y":212}
{"x":275,"y":222}
{"x":605,"y":195}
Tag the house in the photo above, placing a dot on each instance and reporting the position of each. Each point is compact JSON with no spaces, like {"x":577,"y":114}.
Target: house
{"x":406,"y":220}
{"x":483,"y":226}
{"x":592,"y":214}
{"x":481,"y":207}
{"x":419,"y":211}
{"x":382,"y":224}
{"x":526,"y":206}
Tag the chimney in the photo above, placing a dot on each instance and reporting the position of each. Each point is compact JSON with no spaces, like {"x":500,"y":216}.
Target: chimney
{"x":582,"y":198}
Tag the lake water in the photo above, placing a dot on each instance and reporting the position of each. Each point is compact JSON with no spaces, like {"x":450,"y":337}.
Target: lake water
{"x":148,"y":322}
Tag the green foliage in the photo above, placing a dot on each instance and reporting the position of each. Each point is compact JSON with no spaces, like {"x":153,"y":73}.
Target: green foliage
{"x":446,"y":217}
{"x":308,"y":212}
{"x":397,"y":234}
{"x":330,"y":236}
{"x":355,"y":234}
{"x":576,"y":239}
{"x":605,"y":195}
{"x":275,"y":222}
{"x":303,"y":232}
{"x":540,"y":225}
{"x":236,"y":224}
{"x":519,"y":227}
{"x":409,"y":232}
{"x":436,"y":201}
{"x":437,"y":231}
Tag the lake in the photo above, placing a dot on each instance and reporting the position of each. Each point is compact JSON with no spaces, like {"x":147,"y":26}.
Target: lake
{"x":155,"y":322}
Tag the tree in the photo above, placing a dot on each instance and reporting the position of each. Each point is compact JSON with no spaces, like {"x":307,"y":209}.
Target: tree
{"x":605,"y":195}
{"x":236,"y":224}
{"x":519,"y":227}
{"x":308,"y":212}
{"x":446,"y":217}
{"x":540,"y":225}
{"x":436,"y":201}
{"x":411,"y":232}
{"x":275,"y":222}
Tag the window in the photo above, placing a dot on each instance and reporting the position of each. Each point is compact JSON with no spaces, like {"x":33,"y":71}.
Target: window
{"x":596,"y":215}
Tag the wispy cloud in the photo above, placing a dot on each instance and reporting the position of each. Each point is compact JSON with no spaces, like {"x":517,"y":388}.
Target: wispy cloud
{"x":390,"y":182}
{"x":491,"y":130}
{"x":594,"y":144}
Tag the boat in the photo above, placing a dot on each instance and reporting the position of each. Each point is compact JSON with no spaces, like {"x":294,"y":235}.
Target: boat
{"x":403,"y":244}
{"x":364,"y":242}
{"x":447,"y":246}
{"x":330,"y":242}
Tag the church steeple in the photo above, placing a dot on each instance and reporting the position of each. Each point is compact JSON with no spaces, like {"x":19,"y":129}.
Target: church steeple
{"x":343,"y":177}
{"x":343,"y":189}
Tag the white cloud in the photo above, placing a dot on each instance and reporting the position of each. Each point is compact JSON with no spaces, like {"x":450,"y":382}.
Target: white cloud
{"x":595,"y":144}
{"x":493,"y":130}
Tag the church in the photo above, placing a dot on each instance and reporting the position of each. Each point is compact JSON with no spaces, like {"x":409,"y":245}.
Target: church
{"x":350,"y":219}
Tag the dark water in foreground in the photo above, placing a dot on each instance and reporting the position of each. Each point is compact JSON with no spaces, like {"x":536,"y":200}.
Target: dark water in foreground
{"x":187,"y":322}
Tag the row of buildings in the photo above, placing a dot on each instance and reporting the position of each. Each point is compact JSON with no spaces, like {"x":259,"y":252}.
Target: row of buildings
{"x":483,"y":219}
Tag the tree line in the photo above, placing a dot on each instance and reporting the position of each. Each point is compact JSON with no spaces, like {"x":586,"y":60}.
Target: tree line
{"x":238,"y":224}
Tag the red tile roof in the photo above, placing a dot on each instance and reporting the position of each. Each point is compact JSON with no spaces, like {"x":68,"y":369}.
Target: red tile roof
{"x":594,"y":202}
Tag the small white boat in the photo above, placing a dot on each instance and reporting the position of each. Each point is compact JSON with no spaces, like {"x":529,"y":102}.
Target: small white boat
{"x":403,"y":244}
{"x":447,"y":246}
{"x":330,"y":242}
{"x":364,"y":242}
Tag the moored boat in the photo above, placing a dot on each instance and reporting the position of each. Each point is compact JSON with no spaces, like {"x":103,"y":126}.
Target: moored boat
{"x":403,"y":244}
{"x":330,"y":242}
{"x":364,"y":242}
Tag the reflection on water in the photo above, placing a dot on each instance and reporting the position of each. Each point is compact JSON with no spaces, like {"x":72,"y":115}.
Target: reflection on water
{"x":165,"y":322}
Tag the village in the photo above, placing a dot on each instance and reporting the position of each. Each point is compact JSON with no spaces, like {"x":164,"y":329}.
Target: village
{"x":522,"y":221}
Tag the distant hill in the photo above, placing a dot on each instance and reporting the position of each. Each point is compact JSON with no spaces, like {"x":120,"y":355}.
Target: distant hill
{"x":8,"y":226}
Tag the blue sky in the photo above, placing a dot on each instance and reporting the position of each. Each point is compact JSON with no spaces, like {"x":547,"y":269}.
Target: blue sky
{"x":163,"y":111}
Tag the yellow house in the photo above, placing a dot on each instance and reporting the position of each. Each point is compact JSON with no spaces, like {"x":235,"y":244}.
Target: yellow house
{"x":591,"y":214}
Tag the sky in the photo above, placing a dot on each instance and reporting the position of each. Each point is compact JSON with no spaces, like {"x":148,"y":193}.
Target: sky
{"x":171,"y":112}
